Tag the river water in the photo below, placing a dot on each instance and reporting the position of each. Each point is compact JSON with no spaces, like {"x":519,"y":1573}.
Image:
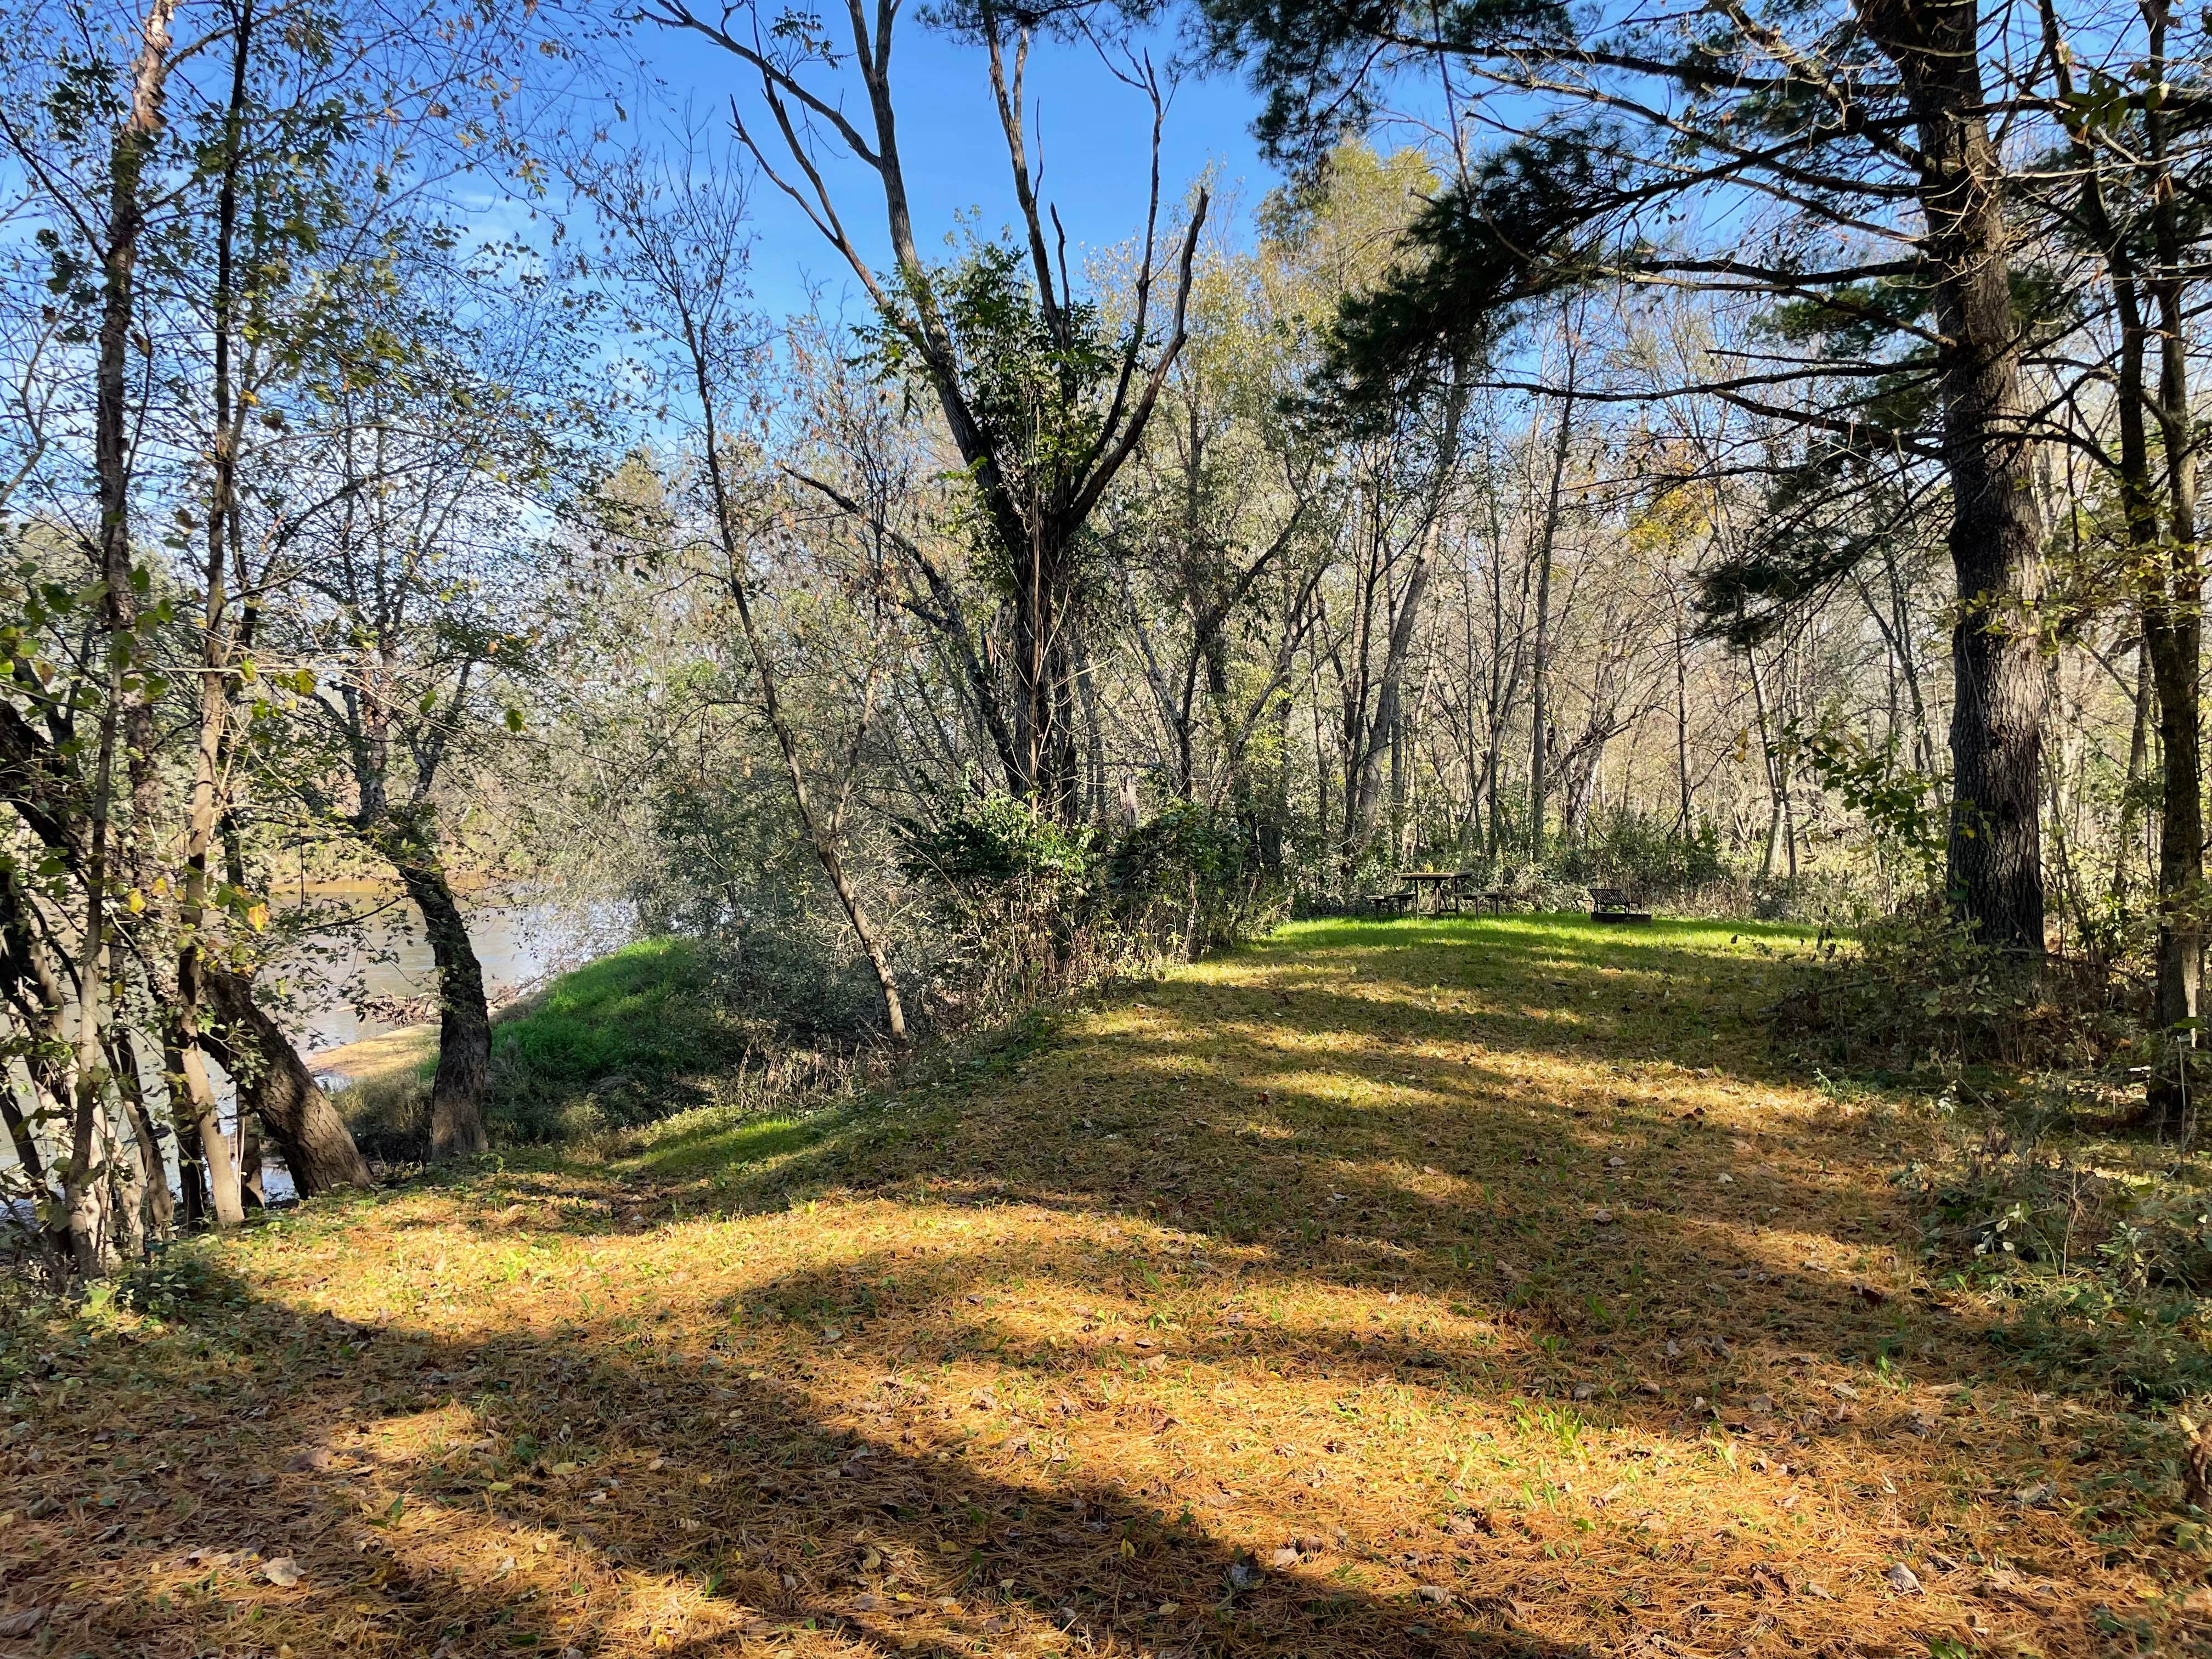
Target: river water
{"x":356,"y":982}
{"x":373,"y":973}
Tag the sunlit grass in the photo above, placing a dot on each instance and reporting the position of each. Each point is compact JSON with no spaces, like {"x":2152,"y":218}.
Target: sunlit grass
{"x":1386,"y":1286}
{"x":649,"y":1009}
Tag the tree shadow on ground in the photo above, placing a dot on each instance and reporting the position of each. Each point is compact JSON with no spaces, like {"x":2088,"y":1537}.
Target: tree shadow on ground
{"x":1273,"y":1257}
{"x":595,"y":1524}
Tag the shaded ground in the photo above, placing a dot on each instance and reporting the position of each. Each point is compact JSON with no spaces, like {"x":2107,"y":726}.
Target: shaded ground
{"x":1464,"y":1287}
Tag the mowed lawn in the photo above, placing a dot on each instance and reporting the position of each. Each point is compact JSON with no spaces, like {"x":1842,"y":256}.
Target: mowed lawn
{"x":1452,"y":1287}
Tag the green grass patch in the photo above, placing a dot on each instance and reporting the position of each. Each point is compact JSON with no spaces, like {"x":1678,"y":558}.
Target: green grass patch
{"x":638,"y":1035}
{"x":720,"y":1140}
{"x":648,"y":1010}
{"x":641,"y":1034}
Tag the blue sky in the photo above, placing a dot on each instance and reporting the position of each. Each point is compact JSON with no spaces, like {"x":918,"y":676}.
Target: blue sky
{"x":1096,"y":155}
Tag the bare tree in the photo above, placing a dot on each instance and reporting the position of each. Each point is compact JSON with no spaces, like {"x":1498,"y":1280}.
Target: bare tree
{"x":1042,"y":409}
{"x":680,"y":252}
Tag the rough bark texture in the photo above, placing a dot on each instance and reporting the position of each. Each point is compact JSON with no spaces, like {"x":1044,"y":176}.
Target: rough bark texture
{"x":1994,"y":855}
{"x":2173,"y":636}
{"x":157,"y":1209}
{"x":1539,"y":669}
{"x":2166,"y":567}
{"x":2174,"y":630}
{"x":274,"y":1083}
{"x":212,"y":1193}
{"x":457,"y":1094}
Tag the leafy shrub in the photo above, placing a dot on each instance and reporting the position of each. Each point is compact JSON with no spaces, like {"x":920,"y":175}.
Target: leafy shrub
{"x":1648,"y":857}
{"x":989,"y":842}
{"x":1191,"y":871}
{"x":2098,"y":1260}
{"x":2092,"y":1248}
{"x":1905,"y":811}
{"x":1033,"y":909}
{"x":1836,"y":897}
{"x":1645,"y":855}
{"x":727,"y":865}
{"x":176,"y":1281}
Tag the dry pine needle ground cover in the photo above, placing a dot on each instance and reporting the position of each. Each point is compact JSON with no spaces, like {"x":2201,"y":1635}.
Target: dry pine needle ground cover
{"x":1458,"y":1287}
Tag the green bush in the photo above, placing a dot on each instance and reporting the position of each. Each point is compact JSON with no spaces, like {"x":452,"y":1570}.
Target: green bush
{"x":1190,"y":873}
{"x":1032,"y":908}
{"x":1649,"y":857}
{"x":2092,"y":1245}
{"x":989,"y":842}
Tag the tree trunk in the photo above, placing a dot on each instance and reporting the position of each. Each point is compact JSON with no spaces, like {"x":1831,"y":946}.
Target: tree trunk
{"x":1094,"y":738}
{"x":211,"y":1188}
{"x":191,"y":1096}
{"x":457,"y":1093}
{"x":2176,"y":632}
{"x":1384,"y":736}
{"x":50,"y":1228}
{"x":1686,"y":827}
{"x":2125,"y":847}
{"x":88,"y":1192}
{"x":2165,"y":560}
{"x":35,"y":991}
{"x":157,"y":1209}
{"x":102,"y":1228}
{"x":1995,"y":856}
{"x":824,"y":831}
{"x":1539,"y":667}
{"x":1042,"y":616}
{"x":273,"y":1084}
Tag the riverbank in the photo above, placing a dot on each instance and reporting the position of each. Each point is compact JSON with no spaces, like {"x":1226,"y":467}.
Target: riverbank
{"x":387,"y":1057}
{"x":362,"y":967}
{"x":642,"y":1033}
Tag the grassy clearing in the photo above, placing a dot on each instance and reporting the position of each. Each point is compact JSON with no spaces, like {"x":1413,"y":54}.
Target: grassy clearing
{"x":1463,"y":1286}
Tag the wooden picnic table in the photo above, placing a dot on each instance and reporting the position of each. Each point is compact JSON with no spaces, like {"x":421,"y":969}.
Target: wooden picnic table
{"x":1432,"y":887}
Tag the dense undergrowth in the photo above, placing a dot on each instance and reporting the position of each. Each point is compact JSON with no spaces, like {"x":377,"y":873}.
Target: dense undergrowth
{"x":2087,"y":1234}
{"x":769,"y":1008}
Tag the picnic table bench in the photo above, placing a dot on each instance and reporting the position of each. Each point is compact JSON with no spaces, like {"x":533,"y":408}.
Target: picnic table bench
{"x":1385,"y":903}
{"x":1613,"y":904}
